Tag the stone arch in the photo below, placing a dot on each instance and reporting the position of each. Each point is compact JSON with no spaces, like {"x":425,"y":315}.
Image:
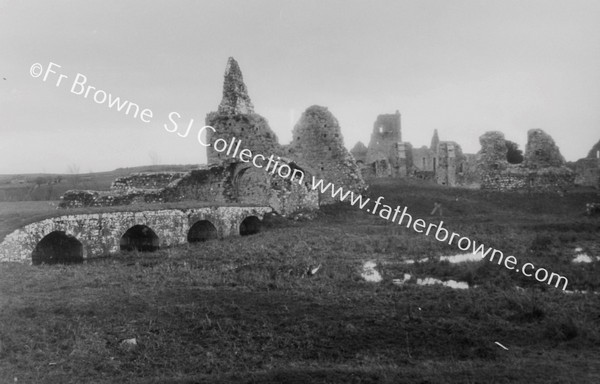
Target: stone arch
{"x":252,"y":185}
{"x":202,"y":230}
{"x":57,"y":248}
{"x":251,"y":225}
{"x":141,"y":238}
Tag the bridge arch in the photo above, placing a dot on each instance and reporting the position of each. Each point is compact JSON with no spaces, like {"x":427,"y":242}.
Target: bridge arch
{"x":251,"y":225}
{"x":57,"y":247}
{"x":202,"y":230}
{"x":141,"y":238}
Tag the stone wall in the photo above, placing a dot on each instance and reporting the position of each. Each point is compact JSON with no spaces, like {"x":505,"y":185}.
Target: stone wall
{"x":543,"y":168}
{"x":588,"y":168}
{"x":594,"y":153}
{"x":239,"y":183}
{"x":424,"y":159}
{"x":541,"y":151}
{"x":145,"y":180}
{"x":359,"y":151}
{"x":386,"y":133}
{"x":404,"y":159}
{"x":318,"y":143}
{"x":101,"y":233}
{"x":450,"y":161}
{"x":228,"y":180}
{"x":235,"y":117}
{"x":251,"y":129}
{"x":89,"y":198}
{"x":588,"y":172}
{"x":519,"y":178}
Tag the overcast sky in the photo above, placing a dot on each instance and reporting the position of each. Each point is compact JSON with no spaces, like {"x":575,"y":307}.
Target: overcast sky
{"x":462,"y":67}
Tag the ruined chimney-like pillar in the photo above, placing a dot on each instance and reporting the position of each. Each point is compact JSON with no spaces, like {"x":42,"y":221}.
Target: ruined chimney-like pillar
{"x":235,"y":117}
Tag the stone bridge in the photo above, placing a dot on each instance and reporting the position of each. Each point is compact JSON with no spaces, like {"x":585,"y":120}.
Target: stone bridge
{"x":75,"y":237}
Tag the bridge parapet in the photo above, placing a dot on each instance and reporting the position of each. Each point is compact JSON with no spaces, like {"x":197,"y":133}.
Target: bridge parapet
{"x":105,"y":233}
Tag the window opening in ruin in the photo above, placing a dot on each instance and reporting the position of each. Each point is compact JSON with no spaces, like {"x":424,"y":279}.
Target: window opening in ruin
{"x":424,"y":162}
{"x":57,"y":248}
{"x":202,"y":230}
{"x":380,"y":129}
{"x":434,"y":164}
{"x":324,"y":135}
{"x":141,"y":238}
{"x":460,"y":168}
{"x":250,"y":226}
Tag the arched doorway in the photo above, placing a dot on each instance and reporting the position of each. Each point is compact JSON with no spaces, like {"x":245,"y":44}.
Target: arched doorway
{"x":250,"y":226}
{"x":202,"y":230}
{"x":141,"y":238}
{"x":252,"y":186}
{"x":57,"y":248}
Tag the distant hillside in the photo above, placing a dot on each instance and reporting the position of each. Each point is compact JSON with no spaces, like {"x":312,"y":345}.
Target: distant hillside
{"x":50,"y":186}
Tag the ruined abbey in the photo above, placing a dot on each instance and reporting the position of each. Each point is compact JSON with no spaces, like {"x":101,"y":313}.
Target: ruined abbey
{"x":543,"y":168}
{"x":231,"y":195}
{"x":317,"y":150}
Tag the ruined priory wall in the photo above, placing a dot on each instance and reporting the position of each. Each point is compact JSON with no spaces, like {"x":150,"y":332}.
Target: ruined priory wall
{"x":318,"y":142}
{"x":386,"y":133}
{"x":145,"y":180}
{"x":251,"y":129}
{"x":523,"y":179}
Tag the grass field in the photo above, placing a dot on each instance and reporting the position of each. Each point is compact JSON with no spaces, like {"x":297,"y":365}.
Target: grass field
{"x":243,"y":310}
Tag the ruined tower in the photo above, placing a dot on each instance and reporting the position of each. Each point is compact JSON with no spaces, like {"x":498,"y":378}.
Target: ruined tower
{"x":383,"y":149}
{"x":318,"y":143}
{"x":541,"y":151}
{"x":235,"y":117}
{"x":435,"y":140}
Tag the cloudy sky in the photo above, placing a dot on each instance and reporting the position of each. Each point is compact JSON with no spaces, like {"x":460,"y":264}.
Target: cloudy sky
{"x":462,"y":67}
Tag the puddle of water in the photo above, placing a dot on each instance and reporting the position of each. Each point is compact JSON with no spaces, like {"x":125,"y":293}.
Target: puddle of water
{"x":458,"y":258}
{"x":462,"y":257}
{"x":369,"y":273}
{"x":411,"y":261}
{"x":581,"y":292}
{"x":402,"y":281}
{"x":582,"y":258}
{"x":450,"y":283}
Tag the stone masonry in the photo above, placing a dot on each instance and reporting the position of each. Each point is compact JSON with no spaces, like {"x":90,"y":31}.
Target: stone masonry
{"x":383,"y":151}
{"x":101,"y":233}
{"x":543,"y":168}
{"x":318,"y":143}
{"x":235,"y":117}
{"x":317,"y":151}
